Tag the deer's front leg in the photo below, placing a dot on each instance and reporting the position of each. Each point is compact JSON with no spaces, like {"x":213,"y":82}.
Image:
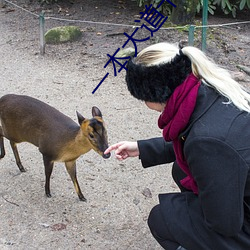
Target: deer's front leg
{"x":71,"y":168}
{"x":48,"y":165}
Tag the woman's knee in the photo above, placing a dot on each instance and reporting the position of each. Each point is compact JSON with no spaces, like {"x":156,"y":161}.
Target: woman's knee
{"x":159,"y":229}
{"x":153,"y":218}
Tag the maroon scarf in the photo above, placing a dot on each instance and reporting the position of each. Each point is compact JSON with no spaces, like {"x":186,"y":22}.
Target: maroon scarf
{"x":174,"y":119}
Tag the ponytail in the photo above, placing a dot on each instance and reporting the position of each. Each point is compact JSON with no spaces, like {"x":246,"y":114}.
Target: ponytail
{"x":218,"y":78}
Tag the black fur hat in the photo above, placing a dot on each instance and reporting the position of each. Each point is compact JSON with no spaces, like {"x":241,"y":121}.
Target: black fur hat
{"x":156,"y":83}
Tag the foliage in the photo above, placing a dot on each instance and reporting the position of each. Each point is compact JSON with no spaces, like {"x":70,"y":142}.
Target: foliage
{"x":165,"y":8}
{"x":244,"y":3}
{"x":230,"y":6}
{"x":227,"y":6}
{"x":211,"y":7}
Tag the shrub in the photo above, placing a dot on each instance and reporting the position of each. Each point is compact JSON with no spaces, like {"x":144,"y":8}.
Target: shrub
{"x":227,"y":6}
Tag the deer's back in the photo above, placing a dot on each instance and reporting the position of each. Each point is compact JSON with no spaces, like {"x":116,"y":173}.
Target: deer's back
{"x":24,"y":118}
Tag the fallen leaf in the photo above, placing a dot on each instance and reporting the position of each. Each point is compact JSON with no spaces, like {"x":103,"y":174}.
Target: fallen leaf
{"x":147,"y":193}
{"x":58,"y":227}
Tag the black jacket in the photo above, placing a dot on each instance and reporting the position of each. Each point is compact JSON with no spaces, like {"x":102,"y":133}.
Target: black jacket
{"x":216,"y":145}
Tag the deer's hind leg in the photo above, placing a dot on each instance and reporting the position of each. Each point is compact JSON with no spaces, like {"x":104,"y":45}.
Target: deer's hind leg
{"x":18,"y":161}
{"x":71,"y":168}
{"x":1,"y":144}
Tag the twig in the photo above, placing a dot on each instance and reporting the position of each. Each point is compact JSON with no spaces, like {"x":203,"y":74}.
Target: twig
{"x":115,"y":34}
{"x":244,"y":68}
{"x":13,"y":203}
{"x":57,"y":82}
{"x":127,"y":108}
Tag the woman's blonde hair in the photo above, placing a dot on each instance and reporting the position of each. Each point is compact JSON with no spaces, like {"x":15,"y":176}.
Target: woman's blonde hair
{"x":202,"y":67}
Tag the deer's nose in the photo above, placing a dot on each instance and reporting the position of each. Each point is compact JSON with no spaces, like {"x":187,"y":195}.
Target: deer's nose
{"x":106,"y":156}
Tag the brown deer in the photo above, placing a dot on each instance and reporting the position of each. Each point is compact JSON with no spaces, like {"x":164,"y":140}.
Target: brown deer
{"x":59,"y":139}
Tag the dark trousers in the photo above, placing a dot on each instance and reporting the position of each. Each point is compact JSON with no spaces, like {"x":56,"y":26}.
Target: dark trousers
{"x":156,"y":221}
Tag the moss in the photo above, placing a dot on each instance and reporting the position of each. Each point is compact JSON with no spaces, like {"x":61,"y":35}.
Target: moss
{"x":63,"y":34}
{"x":126,"y":52}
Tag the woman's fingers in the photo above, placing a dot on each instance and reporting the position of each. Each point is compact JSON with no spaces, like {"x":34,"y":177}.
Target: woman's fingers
{"x":124,"y":149}
{"x":121,"y":148}
{"x":113,"y":147}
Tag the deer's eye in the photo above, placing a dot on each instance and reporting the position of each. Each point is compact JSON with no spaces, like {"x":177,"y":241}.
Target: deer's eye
{"x":91,"y":136}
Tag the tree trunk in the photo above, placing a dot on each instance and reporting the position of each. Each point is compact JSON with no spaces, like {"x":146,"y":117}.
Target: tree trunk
{"x":185,"y":11}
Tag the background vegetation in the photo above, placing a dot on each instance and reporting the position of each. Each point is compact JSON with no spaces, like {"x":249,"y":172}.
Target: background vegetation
{"x":227,"y":6}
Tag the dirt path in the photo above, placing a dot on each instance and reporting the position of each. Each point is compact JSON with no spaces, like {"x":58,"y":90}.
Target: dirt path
{"x":115,"y":214}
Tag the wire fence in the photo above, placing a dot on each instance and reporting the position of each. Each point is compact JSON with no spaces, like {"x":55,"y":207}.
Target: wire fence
{"x":122,"y":25}
{"x":42,"y":19}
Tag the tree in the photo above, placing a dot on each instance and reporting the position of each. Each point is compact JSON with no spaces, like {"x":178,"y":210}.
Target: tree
{"x":185,"y":11}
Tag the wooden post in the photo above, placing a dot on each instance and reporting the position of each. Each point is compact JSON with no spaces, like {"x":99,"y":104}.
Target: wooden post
{"x":42,"y":32}
{"x":2,"y":3}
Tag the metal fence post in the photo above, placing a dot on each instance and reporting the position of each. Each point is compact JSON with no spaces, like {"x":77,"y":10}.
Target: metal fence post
{"x":204,"y":24}
{"x":191,"y":35}
{"x":42,"y":31}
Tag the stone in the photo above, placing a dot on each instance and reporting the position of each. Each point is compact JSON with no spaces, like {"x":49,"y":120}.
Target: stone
{"x":62,"y":34}
{"x":126,"y":52}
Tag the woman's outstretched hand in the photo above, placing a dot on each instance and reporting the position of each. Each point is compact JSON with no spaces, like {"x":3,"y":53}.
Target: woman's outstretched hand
{"x":124,"y":150}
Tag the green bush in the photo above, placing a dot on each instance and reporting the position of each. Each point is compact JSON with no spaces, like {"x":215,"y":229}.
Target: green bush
{"x":165,"y":7}
{"x":231,"y":6}
{"x":211,"y":7}
{"x":227,"y":6}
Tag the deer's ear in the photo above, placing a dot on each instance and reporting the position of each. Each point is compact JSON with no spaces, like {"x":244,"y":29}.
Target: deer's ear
{"x":80,"y":118}
{"x":96,"y":112}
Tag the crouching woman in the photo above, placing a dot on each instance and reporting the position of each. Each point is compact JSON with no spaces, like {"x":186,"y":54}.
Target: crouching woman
{"x":205,"y":119}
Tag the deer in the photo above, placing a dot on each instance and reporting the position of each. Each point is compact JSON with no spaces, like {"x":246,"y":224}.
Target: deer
{"x":58,"y":137}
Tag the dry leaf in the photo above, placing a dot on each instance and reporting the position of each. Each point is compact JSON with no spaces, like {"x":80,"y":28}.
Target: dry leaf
{"x":58,"y":227}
